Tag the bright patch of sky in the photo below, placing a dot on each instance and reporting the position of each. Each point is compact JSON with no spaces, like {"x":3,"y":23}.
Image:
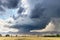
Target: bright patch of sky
{"x":9,"y":13}
{"x":26,"y":6}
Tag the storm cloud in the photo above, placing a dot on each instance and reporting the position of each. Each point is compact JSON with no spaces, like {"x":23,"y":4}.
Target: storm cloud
{"x":1,"y":9}
{"x":50,"y":9}
{"x":44,"y":11}
{"x":11,"y":3}
{"x":20,"y":10}
{"x":38,"y":13}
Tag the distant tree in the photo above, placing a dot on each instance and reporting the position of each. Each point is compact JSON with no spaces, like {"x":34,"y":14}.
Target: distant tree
{"x":7,"y":35}
{"x":0,"y":35}
{"x":16,"y":35}
{"x":58,"y":35}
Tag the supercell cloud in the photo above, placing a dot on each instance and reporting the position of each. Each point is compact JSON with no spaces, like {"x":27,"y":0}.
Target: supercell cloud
{"x":26,"y":15}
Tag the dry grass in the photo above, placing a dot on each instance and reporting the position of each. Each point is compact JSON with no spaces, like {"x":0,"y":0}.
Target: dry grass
{"x":30,"y":38}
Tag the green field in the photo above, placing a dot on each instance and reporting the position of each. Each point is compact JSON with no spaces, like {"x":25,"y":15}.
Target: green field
{"x":30,"y":38}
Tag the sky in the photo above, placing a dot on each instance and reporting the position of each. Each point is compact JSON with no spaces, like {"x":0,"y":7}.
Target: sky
{"x":22,"y":16}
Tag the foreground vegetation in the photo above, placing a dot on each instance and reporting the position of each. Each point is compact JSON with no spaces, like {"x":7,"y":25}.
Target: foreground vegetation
{"x":57,"y":35}
{"x":30,"y":38}
{"x":35,"y":37}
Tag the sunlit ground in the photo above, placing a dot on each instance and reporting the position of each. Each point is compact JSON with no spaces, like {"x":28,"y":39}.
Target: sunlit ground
{"x":29,"y":38}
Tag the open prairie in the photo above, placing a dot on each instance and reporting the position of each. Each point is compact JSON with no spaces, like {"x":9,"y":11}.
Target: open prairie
{"x":29,"y":38}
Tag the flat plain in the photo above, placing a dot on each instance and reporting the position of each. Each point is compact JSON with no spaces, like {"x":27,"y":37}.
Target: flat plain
{"x":30,"y":38}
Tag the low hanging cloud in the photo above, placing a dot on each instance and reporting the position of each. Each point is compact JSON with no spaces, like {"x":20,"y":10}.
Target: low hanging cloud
{"x":49,"y":28}
{"x":53,"y":26}
{"x":22,"y":23}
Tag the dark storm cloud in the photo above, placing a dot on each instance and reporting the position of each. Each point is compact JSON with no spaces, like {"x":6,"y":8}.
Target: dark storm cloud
{"x":36,"y":25}
{"x":0,"y":2}
{"x":48,"y":8}
{"x":23,"y":28}
{"x":37,"y":12}
{"x":1,"y":9}
{"x":52,"y":8}
{"x":20,"y":10}
{"x":11,"y":3}
{"x":44,"y":11}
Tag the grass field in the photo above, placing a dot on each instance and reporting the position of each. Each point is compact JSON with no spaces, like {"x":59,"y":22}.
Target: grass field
{"x":29,"y":38}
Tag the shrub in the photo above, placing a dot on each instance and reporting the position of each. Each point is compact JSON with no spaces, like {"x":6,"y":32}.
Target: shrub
{"x":0,"y":35}
{"x":7,"y":35}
